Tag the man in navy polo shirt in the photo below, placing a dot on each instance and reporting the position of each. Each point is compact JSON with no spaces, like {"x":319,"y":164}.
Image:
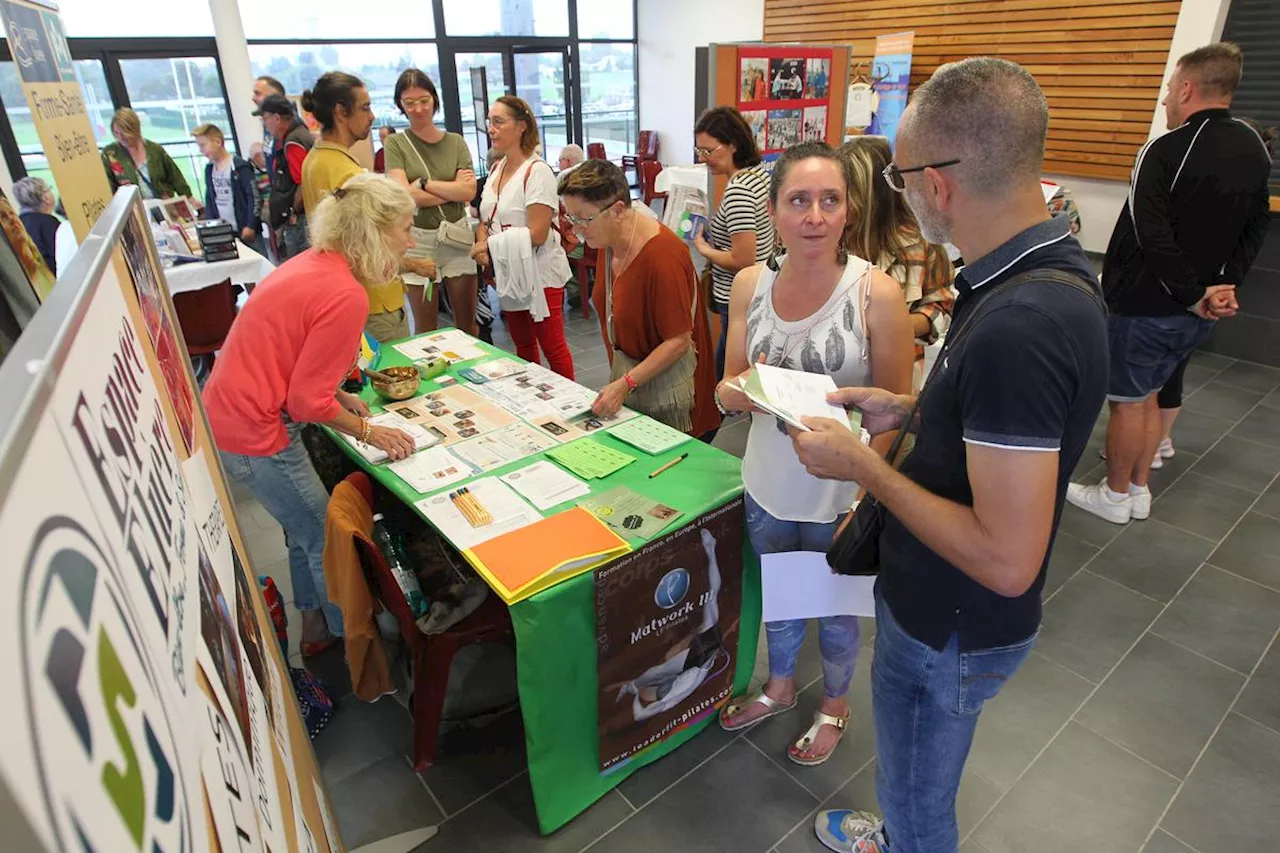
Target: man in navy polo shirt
{"x":1004,"y":419}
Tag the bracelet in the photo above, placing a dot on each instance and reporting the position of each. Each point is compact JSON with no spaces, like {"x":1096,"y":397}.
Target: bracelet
{"x":366,"y":430}
{"x":631,"y":383}
{"x":719,"y":403}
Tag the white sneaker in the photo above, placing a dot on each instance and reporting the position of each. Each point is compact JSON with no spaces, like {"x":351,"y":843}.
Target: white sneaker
{"x":1157,"y":462}
{"x":1165,"y":451}
{"x":1098,"y":500}
{"x":1140,"y":501}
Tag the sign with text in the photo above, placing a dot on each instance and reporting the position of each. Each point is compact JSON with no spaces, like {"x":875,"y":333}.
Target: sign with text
{"x":43,"y":61}
{"x":892,"y":73}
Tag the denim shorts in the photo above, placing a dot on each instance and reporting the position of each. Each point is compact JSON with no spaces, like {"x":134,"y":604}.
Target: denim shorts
{"x":1145,"y":351}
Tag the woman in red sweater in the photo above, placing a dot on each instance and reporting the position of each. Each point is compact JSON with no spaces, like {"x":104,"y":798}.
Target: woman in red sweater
{"x":284,"y":358}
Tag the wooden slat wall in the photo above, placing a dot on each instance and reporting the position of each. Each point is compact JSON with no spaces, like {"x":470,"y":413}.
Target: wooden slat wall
{"x":1100,"y":62}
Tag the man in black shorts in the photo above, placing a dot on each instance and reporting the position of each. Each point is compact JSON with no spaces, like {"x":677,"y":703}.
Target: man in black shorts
{"x":1195,"y":220}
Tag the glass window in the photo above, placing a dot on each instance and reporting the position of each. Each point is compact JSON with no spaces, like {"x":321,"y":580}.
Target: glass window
{"x":298,"y":66}
{"x":507,"y":17}
{"x":125,"y":18}
{"x":540,"y":81}
{"x":495,"y":83}
{"x":333,"y":19}
{"x":606,"y":19}
{"x":173,"y":96}
{"x":609,"y":97}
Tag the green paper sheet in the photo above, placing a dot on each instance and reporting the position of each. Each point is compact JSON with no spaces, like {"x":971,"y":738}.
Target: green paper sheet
{"x":590,"y":459}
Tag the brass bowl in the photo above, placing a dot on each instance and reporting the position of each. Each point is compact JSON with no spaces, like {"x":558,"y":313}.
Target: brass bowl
{"x":404,"y":383}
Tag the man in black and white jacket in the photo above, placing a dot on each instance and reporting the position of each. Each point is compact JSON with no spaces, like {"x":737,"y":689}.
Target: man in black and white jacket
{"x":1194,"y":222}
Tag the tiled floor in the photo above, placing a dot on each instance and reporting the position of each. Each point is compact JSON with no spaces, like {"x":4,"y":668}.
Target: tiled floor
{"x":1147,"y":719}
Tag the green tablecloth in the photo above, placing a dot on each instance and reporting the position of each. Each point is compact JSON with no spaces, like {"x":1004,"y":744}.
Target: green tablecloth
{"x":556,"y":631}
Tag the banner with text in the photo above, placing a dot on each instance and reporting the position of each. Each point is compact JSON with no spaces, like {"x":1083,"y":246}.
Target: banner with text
{"x":665,"y":658}
{"x":892,"y":74}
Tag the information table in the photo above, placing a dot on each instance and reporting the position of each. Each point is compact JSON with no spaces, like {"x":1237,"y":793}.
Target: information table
{"x":556,"y":630}
{"x":250,"y":268}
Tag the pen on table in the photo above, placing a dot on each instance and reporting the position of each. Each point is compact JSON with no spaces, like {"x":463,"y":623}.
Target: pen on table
{"x":482,"y":515}
{"x":672,"y":463}
{"x":464,"y":508}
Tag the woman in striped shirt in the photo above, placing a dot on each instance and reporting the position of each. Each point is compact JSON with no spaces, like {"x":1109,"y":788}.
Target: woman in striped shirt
{"x":741,"y":231}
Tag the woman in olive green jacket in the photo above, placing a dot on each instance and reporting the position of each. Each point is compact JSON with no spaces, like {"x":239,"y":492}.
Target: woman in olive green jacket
{"x":132,"y":160}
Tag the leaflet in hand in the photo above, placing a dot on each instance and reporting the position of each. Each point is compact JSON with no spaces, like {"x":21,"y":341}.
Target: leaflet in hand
{"x":793,"y":395}
{"x":421,"y":438}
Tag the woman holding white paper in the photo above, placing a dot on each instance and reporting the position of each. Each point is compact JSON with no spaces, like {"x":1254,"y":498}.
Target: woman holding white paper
{"x":815,"y":309}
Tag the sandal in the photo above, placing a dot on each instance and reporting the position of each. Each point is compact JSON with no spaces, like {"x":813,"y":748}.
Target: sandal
{"x":733,"y":709}
{"x":311,"y":649}
{"x":806,"y":740}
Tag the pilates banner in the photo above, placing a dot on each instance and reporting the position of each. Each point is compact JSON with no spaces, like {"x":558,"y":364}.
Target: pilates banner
{"x":891,"y":71}
{"x":666,"y":657}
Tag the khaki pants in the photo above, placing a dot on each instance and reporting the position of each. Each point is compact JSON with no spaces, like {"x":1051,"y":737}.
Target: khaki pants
{"x":388,"y":326}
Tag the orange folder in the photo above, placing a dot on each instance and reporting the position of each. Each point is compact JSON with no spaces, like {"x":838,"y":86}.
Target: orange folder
{"x":533,"y":558}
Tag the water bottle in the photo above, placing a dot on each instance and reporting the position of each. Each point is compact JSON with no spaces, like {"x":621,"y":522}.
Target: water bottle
{"x":393,"y":553}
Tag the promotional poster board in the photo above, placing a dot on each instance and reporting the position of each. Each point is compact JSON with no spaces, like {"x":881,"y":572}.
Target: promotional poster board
{"x":146,"y":709}
{"x":43,"y":62}
{"x":665,"y":656}
{"x":892,"y":72}
{"x":784,"y":93}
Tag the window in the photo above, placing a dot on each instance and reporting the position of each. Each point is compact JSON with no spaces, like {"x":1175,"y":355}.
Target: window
{"x":609,"y":96}
{"x":606,"y":19}
{"x":334,"y":19}
{"x":135,"y":18}
{"x":496,"y":85}
{"x":507,"y":17}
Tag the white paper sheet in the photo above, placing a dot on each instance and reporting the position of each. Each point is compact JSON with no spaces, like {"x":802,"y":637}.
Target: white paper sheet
{"x":800,"y":585}
{"x":508,"y":510}
{"x":431,"y":469}
{"x":421,"y":438}
{"x":451,"y":344}
{"x":795,"y":394}
{"x":546,"y":485}
{"x":503,"y":446}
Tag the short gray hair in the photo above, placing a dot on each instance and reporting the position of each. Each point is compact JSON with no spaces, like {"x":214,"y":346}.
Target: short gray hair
{"x":29,"y":193}
{"x":989,"y":113}
{"x":574,"y":152}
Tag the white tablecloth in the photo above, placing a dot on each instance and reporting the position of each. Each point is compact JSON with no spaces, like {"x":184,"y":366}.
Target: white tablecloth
{"x":249,"y":268}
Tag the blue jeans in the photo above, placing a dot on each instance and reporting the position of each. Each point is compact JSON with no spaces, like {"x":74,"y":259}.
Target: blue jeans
{"x":926,"y":705}
{"x":723,"y":311}
{"x":1146,"y":350}
{"x":287,"y":486}
{"x":295,"y":240}
{"x":837,"y":635}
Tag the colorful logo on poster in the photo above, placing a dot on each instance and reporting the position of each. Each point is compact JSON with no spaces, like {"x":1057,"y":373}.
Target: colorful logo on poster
{"x":29,"y":45}
{"x":672,"y":589}
{"x":106,"y":756}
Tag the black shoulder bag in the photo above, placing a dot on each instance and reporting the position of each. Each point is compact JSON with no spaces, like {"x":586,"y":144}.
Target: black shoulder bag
{"x":856,"y":550}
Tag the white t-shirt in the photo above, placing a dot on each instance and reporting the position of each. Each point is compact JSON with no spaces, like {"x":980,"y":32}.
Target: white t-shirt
{"x":509,"y":211}
{"x":222,"y":193}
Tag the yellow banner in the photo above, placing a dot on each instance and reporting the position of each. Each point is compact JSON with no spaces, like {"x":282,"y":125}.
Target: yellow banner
{"x":40,"y":53}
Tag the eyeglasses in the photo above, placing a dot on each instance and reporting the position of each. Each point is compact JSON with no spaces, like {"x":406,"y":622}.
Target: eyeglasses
{"x":584,"y":221}
{"x":414,"y":103}
{"x":893,"y":174}
{"x":704,"y":153}
{"x":497,"y":122}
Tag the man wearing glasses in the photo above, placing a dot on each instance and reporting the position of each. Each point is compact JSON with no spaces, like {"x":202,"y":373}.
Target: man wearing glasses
{"x":969,"y":521}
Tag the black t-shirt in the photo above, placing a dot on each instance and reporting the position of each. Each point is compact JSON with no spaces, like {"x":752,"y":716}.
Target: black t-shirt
{"x":1029,"y":374}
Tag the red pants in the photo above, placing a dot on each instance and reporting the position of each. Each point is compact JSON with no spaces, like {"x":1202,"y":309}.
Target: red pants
{"x":550,"y":333}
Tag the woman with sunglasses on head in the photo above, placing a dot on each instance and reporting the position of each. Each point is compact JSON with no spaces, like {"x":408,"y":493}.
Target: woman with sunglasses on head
{"x":654,"y":324}
{"x":516,"y":212}
{"x":435,"y":167}
{"x":741,"y":233}
{"x":821,"y":310}
{"x":885,"y":231}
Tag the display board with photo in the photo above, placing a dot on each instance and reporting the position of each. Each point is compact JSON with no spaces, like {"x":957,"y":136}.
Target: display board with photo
{"x":784,"y":93}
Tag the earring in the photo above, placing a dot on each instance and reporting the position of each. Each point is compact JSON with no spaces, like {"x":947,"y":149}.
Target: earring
{"x":842,"y":254}
{"x":772,"y":263}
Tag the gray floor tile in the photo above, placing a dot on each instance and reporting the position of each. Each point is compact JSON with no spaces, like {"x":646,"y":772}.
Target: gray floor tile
{"x":1197,"y":375}
{"x":360,"y":734}
{"x":1222,"y":401}
{"x":1091,"y":623}
{"x":1195,"y":432}
{"x":1069,"y":555}
{"x":1210,"y":360}
{"x":802,"y":839}
{"x":1162,"y":703}
{"x":1087,"y":526}
{"x":1261,"y":425}
{"x":330,"y":666}
{"x":1255,"y":377}
{"x":382,"y":800}
{"x":505,"y":821}
{"x":1079,"y":775}
{"x":1231,"y":801}
{"x":1241,"y":463}
{"x":1223,"y":617}
{"x":1260,"y":700}
{"x":774,"y":736}
{"x":1272,"y":400}
{"x":472,"y":762}
{"x":765,"y":805}
{"x":1163,"y":842}
{"x":1023,"y":718}
{"x":1171,"y":471}
{"x":1269,"y":503}
{"x":972,"y":846}
{"x":648,"y":782}
{"x":1152,"y":558}
{"x":1252,"y":550}
{"x":1202,"y":505}
{"x":266,"y":546}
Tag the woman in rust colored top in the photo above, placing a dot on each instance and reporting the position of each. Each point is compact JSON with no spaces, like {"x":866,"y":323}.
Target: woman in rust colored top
{"x":660,"y":354}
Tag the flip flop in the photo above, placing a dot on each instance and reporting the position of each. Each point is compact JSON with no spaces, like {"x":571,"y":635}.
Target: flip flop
{"x":733,"y":709}
{"x":806,"y":740}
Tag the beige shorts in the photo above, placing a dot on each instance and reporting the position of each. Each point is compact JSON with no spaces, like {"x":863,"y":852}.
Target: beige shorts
{"x":388,"y":325}
{"x":451,"y":261}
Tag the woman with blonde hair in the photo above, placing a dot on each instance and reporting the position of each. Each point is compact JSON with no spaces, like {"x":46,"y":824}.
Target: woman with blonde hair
{"x":884,"y":231}
{"x":286,"y":355}
{"x":134,"y":161}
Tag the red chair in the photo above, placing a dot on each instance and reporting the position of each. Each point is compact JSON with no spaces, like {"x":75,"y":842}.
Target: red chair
{"x":584,"y":270}
{"x":431,"y":657}
{"x":647,"y":149}
{"x":595,"y":151}
{"x":649,"y":170}
{"x":206,"y":316}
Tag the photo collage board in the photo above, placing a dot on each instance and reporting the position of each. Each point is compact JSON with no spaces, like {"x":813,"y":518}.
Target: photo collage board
{"x":784,"y":93}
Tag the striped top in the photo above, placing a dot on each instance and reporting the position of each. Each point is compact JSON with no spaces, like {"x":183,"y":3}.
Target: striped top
{"x":744,"y":207}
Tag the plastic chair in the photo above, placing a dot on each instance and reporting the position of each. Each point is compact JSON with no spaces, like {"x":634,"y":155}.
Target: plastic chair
{"x":584,"y":270}
{"x":649,"y":170}
{"x":206,"y":316}
{"x":647,"y":149}
{"x":431,"y":657}
{"x":595,"y":151}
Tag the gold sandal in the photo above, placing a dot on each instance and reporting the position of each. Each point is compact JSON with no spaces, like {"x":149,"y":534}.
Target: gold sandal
{"x":806,"y":740}
{"x":733,"y":709}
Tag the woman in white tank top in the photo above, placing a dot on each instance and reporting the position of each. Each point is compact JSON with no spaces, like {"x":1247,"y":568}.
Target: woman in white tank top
{"x":820,"y":310}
